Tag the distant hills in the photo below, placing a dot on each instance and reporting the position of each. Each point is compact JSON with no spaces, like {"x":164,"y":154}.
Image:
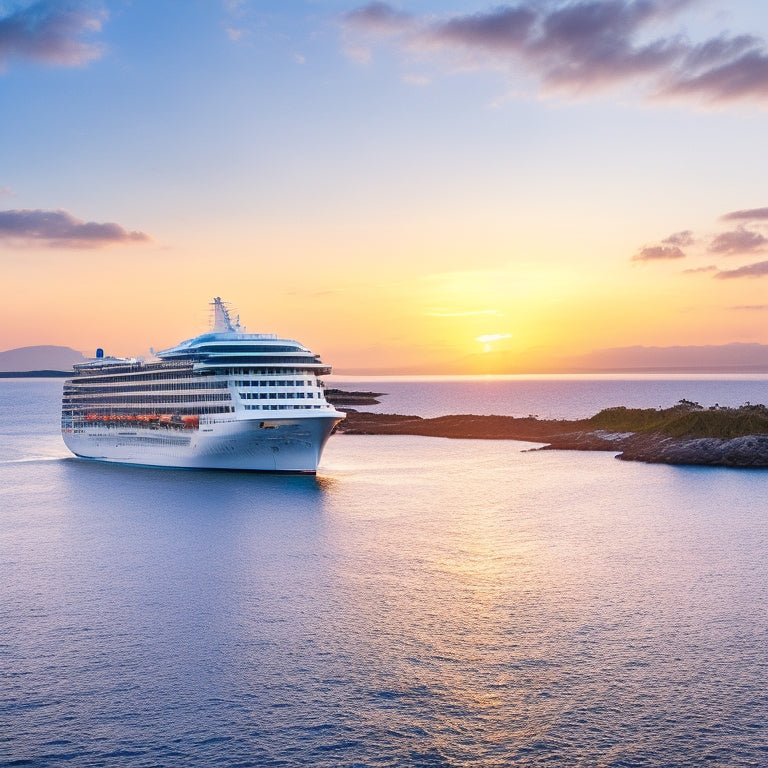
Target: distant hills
{"x":723,"y":358}
{"x":730,"y":358}
{"x":41,"y":358}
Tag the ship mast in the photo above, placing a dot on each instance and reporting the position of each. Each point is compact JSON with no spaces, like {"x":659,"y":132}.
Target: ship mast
{"x":222,"y":323}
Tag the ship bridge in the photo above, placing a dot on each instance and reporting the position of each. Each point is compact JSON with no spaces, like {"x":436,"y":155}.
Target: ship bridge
{"x":228,"y":346}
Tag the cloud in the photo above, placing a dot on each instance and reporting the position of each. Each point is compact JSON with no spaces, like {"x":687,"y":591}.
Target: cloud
{"x":59,"y":229}
{"x":658,"y":253}
{"x":6,"y":192}
{"x":697,"y":270}
{"x":416,"y":80}
{"x":745,"y":76}
{"x":378,"y":18}
{"x":760,"y":269}
{"x":749,"y":308}
{"x":490,"y":337}
{"x":750,"y":214}
{"x":585,"y":46}
{"x":681,"y":239}
{"x":737,"y":241}
{"x":51,"y":32}
{"x":470,"y":313}
{"x":234,"y":34}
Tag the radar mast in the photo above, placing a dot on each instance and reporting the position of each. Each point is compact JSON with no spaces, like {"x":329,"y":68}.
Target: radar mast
{"x":222,"y":323}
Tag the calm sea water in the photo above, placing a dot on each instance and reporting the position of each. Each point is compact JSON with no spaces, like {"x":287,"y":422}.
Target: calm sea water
{"x":555,"y":396}
{"x":421,"y":602}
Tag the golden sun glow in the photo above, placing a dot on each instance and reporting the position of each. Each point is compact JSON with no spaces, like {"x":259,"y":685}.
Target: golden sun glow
{"x":488,"y":338}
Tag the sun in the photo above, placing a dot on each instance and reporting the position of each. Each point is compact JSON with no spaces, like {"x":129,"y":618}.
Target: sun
{"x":489,"y":338}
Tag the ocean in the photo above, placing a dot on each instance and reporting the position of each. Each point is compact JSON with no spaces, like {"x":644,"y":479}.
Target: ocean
{"x":421,"y":602}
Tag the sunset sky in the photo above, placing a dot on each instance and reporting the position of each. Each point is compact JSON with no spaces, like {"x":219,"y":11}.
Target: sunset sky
{"x":416,"y":185}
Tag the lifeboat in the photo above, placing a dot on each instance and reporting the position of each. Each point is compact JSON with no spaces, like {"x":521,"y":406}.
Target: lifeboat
{"x":190,"y":422}
{"x":165,"y":418}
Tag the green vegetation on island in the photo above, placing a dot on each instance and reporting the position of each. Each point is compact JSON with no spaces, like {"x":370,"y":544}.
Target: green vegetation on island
{"x":686,"y":433}
{"x":685,"y":420}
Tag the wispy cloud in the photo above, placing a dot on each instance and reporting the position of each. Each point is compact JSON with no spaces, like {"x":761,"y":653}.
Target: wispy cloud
{"x":738,"y":241}
{"x":6,"y":192}
{"x":749,"y":214}
{"x":470,"y":313}
{"x":60,"y":229}
{"x":584,"y":46}
{"x":416,"y":80}
{"x":681,"y":239}
{"x":235,"y":34}
{"x":658,"y":253}
{"x":379,"y":18}
{"x":749,"y":308}
{"x":759,"y":269}
{"x":52,"y":32}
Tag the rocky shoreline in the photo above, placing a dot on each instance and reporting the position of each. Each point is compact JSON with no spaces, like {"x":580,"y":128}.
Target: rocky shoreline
{"x":651,"y":445}
{"x":747,"y":452}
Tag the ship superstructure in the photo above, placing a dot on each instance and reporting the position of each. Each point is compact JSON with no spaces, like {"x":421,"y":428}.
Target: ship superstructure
{"x":226,"y":399}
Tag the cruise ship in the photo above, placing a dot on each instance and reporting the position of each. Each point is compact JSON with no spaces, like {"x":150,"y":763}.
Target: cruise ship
{"x":224,"y":400}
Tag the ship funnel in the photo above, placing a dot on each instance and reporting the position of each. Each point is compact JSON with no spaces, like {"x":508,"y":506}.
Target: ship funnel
{"x":99,"y":353}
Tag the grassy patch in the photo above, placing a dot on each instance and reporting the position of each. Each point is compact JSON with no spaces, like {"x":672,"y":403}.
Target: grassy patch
{"x":686,"y":419}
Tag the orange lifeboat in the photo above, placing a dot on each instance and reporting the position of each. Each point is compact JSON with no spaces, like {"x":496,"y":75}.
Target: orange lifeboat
{"x":190,"y":422}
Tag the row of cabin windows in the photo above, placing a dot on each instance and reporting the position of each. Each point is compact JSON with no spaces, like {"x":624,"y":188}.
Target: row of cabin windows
{"x":274,"y":383}
{"x":239,"y":361}
{"x":100,"y":378}
{"x":265,"y":372}
{"x":277,"y":395}
{"x":79,"y":414}
{"x":280,"y":407}
{"x":85,"y":400}
{"x":142,"y":387}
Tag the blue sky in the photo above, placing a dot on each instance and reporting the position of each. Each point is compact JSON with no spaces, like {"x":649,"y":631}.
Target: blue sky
{"x":355,"y":174}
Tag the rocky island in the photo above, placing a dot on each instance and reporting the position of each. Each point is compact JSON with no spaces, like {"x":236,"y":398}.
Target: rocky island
{"x":685,"y":434}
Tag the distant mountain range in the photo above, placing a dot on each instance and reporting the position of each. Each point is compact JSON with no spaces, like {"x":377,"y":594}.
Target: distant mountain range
{"x":730,"y":358}
{"x":42,"y":358}
{"x":724,"y":358}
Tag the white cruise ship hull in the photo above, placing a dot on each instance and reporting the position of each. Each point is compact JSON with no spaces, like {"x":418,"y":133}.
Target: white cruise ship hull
{"x":292,"y":443}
